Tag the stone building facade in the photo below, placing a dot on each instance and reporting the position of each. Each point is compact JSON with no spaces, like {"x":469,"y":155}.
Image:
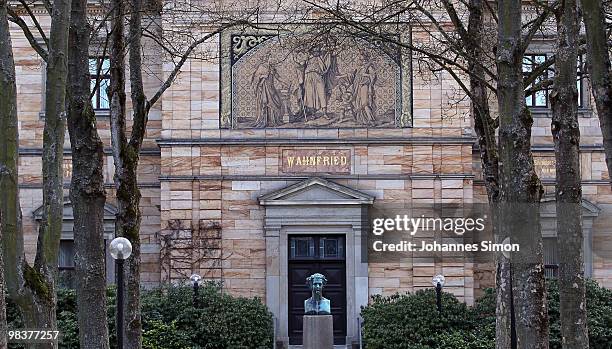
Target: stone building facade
{"x":256,"y":169}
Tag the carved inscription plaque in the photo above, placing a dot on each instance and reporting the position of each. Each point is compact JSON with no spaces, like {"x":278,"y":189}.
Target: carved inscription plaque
{"x":545,"y":166}
{"x":316,"y":161}
{"x":67,"y":169}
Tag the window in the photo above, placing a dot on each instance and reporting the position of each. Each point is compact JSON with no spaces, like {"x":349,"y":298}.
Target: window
{"x":551,"y":258}
{"x":579,"y":81}
{"x":99,"y":83}
{"x":331,"y":248}
{"x":66,"y":257}
{"x":550,"y":240}
{"x":316,"y":247}
{"x":302,"y":247}
{"x":540,"y":98}
{"x":530,"y":63}
{"x":65,"y":264}
{"x":99,"y":100}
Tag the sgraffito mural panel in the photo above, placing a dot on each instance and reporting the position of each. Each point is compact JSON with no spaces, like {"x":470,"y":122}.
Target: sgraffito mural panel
{"x":309,"y":81}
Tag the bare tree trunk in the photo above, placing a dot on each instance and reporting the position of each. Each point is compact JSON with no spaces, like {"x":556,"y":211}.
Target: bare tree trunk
{"x":566,"y":133}
{"x":7,"y":111}
{"x":126,"y":152}
{"x":598,"y":63}
{"x":12,"y":237}
{"x":128,"y":192}
{"x":3,"y":325}
{"x":87,"y":188}
{"x":33,"y":288}
{"x":42,"y":276}
{"x":521,"y":189}
{"x":126,"y":155}
{"x":484,"y":125}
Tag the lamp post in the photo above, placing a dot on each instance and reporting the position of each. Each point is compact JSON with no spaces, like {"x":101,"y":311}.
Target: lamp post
{"x":195,"y":282}
{"x":438,"y":282}
{"x":120,"y":250}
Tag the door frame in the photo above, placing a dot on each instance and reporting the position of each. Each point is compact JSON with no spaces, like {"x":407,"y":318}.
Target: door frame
{"x":318,"y":260}
{"x":316,"y":206}
{"x":277,"y":287}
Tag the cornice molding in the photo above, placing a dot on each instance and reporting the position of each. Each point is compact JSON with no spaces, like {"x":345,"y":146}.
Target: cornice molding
{"x":106,"y":185}
{"x":165,"y":143}
{"x":107,"y":151}
{"x":39,"y":9}
{"x":167,"y":178}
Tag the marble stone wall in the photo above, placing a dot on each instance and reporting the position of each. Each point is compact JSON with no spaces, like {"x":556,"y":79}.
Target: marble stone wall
{"x":194,"y":172}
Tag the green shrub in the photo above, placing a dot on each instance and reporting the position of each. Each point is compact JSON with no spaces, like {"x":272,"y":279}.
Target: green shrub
{"x":599,"y":313}
{"x":14,"y":320}
{"x":67,"y":319}
{"x":484,"y":314}
{"x":170,"y":321}
{"x":411,"y":321}
{"x":161,"y":335}
{"x":599,"y":310}
{"x":220,"y":320}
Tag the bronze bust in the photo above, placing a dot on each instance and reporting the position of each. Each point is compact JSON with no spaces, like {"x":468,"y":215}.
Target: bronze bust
{"x":317,"y":304}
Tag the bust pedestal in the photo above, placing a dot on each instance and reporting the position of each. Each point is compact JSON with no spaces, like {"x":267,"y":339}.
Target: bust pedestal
{"x":318,"y":332}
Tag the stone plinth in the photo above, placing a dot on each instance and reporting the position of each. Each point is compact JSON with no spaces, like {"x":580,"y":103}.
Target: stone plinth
{"x":318,"y":332}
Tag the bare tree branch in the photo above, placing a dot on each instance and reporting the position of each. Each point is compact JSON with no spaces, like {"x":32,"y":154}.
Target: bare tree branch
{"x":450,"y":9}
{"x":42,"y":51}
{"x":35,"y":21}
{"x":184,"y":57}
{"x":48,"y":6}
{"x":99,"y":68}
{"x":447,"y":63}
{"x":537,"y":25}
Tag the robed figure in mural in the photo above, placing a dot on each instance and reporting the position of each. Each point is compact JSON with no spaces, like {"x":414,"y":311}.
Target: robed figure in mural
{"x":296,"y":87}
{"x":301,"y":81}
{"x":268,"y":103}
{"x":365,"y":103}
{"x":319,"y":75}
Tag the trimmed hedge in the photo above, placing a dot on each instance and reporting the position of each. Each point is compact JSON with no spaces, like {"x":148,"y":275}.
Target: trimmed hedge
{"x":220,"y":320}
{"x":170,"y":321}
{"x":411,"y":321}
{"x":408,"y":321}
{"x":599,"y":313}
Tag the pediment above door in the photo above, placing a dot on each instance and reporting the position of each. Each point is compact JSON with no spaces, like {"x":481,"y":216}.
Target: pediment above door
{"x":316,"y":191}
